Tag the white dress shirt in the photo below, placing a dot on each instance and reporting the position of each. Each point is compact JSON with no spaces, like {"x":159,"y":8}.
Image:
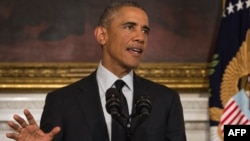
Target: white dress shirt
{"x":105,"y":80}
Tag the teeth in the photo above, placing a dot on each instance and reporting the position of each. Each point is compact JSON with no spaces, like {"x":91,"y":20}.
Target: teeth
{"x":136,"y":50}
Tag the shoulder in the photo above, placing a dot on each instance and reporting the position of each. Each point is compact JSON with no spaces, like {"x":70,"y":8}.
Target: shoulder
{"x":153,"y":85}
{"x":159,"y":94}
{"x":157,"y":89}
{"x":79,"y":86}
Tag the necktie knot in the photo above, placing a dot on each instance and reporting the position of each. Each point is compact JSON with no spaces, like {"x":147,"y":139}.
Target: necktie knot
{"x":119,"y":85}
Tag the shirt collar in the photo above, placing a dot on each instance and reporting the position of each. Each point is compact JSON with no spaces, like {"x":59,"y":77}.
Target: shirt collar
{"x":106,"y":78}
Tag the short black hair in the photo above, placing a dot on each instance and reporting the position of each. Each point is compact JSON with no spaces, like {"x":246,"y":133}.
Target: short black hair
{"x":106,"y":16}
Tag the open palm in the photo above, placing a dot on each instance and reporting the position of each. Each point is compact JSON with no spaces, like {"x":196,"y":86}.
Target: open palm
{"x":29,"y":131}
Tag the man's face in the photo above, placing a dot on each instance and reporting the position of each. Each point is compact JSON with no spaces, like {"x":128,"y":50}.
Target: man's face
{"x":126,"y":39}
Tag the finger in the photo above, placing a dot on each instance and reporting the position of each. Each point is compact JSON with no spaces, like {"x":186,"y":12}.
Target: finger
{"x":20,"y":120}
{"x":12,"y":136}
{"x":14,"y":126}
{"x":54,"y":131}
{"x":29,"y":117}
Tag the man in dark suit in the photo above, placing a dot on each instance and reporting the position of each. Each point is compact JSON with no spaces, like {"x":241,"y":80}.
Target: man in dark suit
{"x":77,"y":112}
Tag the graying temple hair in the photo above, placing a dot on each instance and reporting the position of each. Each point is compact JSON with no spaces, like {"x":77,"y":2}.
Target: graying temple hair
{"x":106,"y":16}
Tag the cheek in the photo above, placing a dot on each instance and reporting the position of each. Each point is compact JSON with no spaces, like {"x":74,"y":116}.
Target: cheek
{"x":121,"y":41}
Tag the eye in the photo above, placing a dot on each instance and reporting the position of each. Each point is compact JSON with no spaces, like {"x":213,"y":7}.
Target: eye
{"x":145,"y":31}
{"x":130,"y":27}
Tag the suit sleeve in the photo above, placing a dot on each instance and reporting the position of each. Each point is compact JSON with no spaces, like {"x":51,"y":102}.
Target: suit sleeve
{"x":176,"y":125}
{"x":51,"y":116}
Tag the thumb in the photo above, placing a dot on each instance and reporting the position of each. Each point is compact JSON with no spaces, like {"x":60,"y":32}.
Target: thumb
{"x":54,"y":131}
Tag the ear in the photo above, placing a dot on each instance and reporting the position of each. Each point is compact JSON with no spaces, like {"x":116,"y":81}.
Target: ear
{"x":101,"y":35}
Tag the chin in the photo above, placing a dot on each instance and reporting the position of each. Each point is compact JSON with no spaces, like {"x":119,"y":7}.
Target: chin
{"x":134,"y":65}
{"x":131,"y":63}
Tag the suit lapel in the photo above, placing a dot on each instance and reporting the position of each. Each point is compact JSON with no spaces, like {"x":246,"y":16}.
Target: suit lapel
{"x":139,"y":90}
{"x":90,"y":104}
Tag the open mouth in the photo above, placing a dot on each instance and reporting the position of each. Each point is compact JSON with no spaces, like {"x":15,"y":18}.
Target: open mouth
{"x":135,"y":50}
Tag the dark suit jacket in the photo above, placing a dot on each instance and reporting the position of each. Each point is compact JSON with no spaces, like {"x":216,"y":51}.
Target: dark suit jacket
{"x":77,"y":109}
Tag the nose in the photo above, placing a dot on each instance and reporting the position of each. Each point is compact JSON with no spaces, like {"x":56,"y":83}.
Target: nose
{"x":140,"y":36}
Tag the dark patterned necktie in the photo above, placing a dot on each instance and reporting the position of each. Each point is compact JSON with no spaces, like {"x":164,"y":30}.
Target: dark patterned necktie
{"x":118,"y":132}
{"x":119,"y":85}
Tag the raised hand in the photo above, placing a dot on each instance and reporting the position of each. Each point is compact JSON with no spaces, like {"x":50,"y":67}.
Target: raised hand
{"x":29,"y":131}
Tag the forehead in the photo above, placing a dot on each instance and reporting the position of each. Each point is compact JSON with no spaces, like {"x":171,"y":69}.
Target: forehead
{"x":133,"y":14}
